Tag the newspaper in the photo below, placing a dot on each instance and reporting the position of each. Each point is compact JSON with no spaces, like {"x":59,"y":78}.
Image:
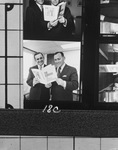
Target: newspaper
{"x":46,"y":75}
{"x":52,"y":13}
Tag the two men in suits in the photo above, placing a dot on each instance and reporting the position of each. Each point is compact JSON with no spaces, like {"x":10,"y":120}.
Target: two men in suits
{"x":38,"y":91}
{"x":67,"y":80}
{"x":36,"y":28}
{"x":62,"y":88}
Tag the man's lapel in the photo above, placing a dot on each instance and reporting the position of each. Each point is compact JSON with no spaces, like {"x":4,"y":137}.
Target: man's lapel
{"x":63,"y":71}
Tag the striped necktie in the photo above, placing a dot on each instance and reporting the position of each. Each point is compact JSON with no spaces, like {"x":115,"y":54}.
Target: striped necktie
{"x":59,"y":72}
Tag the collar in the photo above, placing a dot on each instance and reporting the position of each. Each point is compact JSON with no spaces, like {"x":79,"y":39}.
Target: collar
{"x":40,"y":6}
{"x":40,"y":67}
{"x":62,"y":67}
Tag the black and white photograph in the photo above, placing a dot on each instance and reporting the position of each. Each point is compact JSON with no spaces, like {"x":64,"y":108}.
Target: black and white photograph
{"x":108,"y":73}
{"x":108,"y":17}
{"x":58,"y":75}
{"x":52,"y":20}
{"x":62,"y":59}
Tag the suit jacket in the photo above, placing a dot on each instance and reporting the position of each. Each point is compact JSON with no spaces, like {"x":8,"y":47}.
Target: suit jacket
{"x":39,"y":91}
{"x":34,"y":26}
{"x":68,"y":74}
{"x":60,"y":32}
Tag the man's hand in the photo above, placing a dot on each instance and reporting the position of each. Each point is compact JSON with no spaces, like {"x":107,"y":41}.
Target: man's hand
{"x":52,"y":24}
{"x":102,"y":17}
{"x":48,"y":85}
{"x":61,"y":82}
{"x":62,"y":20}
{"x":35,"y":81}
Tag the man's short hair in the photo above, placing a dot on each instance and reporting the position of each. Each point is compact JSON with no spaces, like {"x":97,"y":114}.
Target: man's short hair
{"x":38,"y":53}
{"x":62,"y":54}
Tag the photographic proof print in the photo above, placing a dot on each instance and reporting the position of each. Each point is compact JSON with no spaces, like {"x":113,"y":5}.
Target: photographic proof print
{"x":51,"y":71}
{"x":108,"y":73}
{"x":109,"y":17}
{"x":13,"y":89}
{"x":52,"y":20}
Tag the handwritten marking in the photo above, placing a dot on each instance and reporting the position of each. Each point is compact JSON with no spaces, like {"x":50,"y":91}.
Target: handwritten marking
{"x":51,"y":109}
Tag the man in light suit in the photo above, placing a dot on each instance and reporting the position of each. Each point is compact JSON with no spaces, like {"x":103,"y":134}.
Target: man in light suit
{"x":38,"y":91}
{"x":62,"y":89}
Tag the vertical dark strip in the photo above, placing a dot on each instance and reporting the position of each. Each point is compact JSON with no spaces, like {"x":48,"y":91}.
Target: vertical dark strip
{"x":20,"y":55}
{"x":81,"y":53}
{"x":73,"y":142}
{"x":8,"y":7}
{"x":100,"y":144}
{"x":80,"y":80}
{"x":6,"y":81}
{"x":47,"y":142}
{"x":20,"y":143}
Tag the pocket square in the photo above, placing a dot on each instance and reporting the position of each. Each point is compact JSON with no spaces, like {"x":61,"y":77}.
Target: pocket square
{"x":64,"y":76}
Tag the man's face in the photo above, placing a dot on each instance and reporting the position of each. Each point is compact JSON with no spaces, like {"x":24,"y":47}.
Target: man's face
{"x":39,"y":59}
{"x":40,"y":1}
{"x":59,"y":60}
{"x":55,"y":2}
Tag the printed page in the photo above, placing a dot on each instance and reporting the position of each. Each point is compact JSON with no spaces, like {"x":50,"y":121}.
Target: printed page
{"x":38,"y":74}
{"x":46,"y":75}
{"x":50,"y":12}
{"x":62,"y":6}
{"x":50,"y":73}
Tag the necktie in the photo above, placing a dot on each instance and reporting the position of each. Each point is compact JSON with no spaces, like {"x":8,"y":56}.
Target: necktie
{"x":58,"y":72}
{"x":40,"y":67}
{"x":41,"y":7}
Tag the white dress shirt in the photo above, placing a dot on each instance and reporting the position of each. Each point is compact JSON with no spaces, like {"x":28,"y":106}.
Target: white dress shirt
{"x":40,"y":6}
{"x":62,"y":67}
{"x":40,"y":67}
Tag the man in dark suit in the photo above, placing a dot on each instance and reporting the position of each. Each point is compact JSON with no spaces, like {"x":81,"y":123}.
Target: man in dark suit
{"x":34,"y":26}
{"x":67,"y":80}
{"x":38,"y":91}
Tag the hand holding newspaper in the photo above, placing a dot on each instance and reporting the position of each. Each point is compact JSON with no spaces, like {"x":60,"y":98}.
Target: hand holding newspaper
{"x":46,"y":75}
{"x":52,"y":13}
